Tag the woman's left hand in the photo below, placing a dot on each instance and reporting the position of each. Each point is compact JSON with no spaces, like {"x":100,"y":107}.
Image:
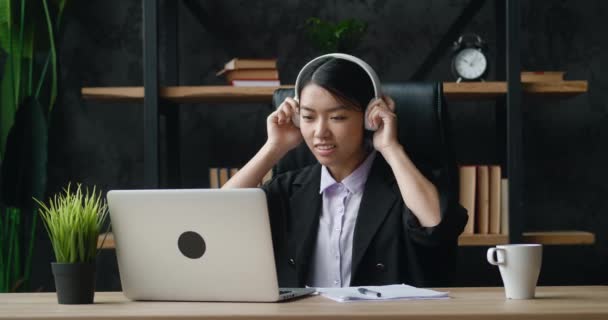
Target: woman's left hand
{"x":381,"y":115}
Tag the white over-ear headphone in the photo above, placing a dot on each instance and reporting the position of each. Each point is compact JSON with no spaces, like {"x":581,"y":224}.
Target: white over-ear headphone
{"x":372,"y":75}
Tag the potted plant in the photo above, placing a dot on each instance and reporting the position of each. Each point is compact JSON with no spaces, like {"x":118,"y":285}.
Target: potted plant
{"x":328,"y":37}
{"x":73,"y":221}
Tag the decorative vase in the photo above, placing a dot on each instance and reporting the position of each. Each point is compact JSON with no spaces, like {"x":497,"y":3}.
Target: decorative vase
{"x":74,"y":282}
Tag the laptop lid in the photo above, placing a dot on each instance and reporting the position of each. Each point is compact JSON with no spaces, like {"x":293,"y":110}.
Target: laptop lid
{"x":194,"y":244}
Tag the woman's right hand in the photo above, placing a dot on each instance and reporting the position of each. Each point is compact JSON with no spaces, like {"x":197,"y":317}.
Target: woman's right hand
{"x":282,"y":133}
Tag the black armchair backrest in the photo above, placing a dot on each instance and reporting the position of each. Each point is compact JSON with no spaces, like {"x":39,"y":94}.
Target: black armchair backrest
{"x":424,"y":129}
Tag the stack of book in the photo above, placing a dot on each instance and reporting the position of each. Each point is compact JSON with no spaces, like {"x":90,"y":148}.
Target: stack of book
{"x":484,"y":193}
{"x":542,"y":76}
{"x":251,"y":72}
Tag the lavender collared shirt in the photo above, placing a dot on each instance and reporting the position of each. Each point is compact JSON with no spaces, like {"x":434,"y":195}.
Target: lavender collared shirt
{"x":332,"y":255}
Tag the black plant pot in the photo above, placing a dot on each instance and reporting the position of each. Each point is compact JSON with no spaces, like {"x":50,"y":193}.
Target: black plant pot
{"x":75,"y":282}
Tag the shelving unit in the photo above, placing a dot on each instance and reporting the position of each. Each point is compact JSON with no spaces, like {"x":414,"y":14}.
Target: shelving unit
{"x":221,"y":94}
{"x":507,"y":94}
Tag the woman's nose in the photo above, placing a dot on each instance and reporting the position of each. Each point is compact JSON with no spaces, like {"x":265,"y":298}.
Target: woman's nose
{"x":321,"y":129}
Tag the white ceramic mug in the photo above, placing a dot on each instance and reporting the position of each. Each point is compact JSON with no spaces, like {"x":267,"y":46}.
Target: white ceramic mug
{"x":519,"y":266}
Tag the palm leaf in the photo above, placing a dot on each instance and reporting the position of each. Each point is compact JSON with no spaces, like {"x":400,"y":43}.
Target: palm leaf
{"x":7,"y":106}
{"x":51,"y":33}
{"x":6,"y":22}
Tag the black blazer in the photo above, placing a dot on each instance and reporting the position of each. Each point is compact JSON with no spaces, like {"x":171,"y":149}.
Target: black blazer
{"x":389,"y":245}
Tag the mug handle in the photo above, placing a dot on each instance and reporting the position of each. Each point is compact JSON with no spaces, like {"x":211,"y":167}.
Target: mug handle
{"x":500,"y":256}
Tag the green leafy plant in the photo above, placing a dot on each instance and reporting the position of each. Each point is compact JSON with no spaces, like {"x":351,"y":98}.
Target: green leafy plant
{"x":27,"y":28}
{"x":28,"y":91}
{"x":328,"y":37}
{"x":11,"y":262}
{"x":73,"y":221}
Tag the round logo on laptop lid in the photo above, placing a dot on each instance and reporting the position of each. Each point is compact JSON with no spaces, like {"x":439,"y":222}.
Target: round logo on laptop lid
{"x":191,"y":244}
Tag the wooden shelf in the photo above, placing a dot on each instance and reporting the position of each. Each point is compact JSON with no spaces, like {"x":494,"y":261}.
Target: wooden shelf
{"x":108,"y":243}
{"x":184,"y":94}
{"x":545,"y":237}
{"x":222,"y":94}
{"x":482,"y":239}
{"x":560,"y":237}
{"x":493,"y":89}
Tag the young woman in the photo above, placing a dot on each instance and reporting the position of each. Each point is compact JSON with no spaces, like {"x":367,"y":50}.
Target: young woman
{"x":364,"y":214}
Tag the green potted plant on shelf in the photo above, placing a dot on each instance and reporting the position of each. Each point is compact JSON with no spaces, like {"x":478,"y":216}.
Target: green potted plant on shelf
{"x":73,"y":220}
{"x":328,"y":37}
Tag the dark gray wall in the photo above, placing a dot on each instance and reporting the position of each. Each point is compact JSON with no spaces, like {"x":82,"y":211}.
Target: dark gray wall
{"x":564,"y":140}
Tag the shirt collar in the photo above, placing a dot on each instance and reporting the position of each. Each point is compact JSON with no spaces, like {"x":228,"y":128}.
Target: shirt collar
{"x":354,"y":182}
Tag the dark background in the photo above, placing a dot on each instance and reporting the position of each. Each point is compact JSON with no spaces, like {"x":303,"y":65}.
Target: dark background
{"x":564,"y":141}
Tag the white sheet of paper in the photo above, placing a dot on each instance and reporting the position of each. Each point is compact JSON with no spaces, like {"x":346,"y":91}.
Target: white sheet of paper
{"x":390,"y":292}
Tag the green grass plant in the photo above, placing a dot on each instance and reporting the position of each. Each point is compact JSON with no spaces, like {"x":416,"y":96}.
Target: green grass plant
{"x":73,"y":220}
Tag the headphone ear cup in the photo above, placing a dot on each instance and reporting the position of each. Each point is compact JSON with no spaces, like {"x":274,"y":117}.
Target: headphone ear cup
{"x":295,"y":117}
{"x":367,"y":123}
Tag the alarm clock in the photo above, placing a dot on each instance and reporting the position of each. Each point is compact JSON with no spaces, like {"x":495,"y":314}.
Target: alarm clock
{"x":469,"y":61}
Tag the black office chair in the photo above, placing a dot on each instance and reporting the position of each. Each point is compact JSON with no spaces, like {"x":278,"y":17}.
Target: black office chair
{"x":424,"y":127}
{"x":424,"y":132}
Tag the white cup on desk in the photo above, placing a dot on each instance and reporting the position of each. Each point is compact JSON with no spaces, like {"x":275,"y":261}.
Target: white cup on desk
{"x":519,"y":266}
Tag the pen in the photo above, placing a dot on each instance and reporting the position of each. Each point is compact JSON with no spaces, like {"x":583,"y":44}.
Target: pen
{"x":371,"y":293}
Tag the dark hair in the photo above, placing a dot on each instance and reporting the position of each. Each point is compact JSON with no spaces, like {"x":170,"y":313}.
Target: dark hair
{"x":345,"y":79}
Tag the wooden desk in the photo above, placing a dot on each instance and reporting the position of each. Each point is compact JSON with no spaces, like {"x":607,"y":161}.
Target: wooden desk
{"x":555,"y":303}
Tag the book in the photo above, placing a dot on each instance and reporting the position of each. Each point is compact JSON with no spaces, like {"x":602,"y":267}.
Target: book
{"x":467,"y":195}
{"x":504,"y":206}
{"x":245,"y":63}
{"x":494,"y":221}
{"x":223,"y":176}
{"x":252,"y":74}
{"x":219,"y":176}
{"x":542,"y":76}
{"x":483,"y":200}
{"x":256,"y":83}
{"x":214,"y":179}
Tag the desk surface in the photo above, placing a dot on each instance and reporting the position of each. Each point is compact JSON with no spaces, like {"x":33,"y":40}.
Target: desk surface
{"x":578,"y":303}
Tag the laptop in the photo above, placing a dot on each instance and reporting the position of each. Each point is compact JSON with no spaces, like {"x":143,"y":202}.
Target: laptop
{"x":195,"y":245}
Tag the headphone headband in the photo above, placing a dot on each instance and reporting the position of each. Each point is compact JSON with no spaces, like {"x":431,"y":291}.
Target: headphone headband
{"x":368,"y":69}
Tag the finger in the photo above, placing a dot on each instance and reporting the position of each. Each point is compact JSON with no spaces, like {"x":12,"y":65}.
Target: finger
{"x":375,"y":105}
{"x":280,"y":116}
{"x":291,"y":108}
{"x":381,"y":115}
{"x":286,"y":105}
{"x":373,"y":117}
{"x":387,"y":118}
{"x":389,"y":102}
{"x":379,"y":103}
{"x":293,"y":104}
{"x":273,"y":117}
{"x":286,"y":115}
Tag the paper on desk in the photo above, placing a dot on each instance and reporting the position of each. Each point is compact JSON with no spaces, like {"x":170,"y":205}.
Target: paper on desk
{"x":390,"y":292}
